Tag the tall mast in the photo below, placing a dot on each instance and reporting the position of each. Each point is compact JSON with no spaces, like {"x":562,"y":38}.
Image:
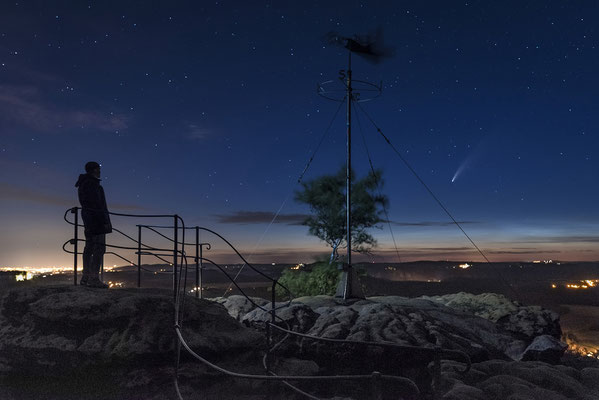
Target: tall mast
{"x":348,"y":164}
{"x":349,"y":286}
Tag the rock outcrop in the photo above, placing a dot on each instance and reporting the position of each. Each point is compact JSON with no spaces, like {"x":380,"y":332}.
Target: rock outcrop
{"x":526,"y":322}
{"x":545,"y":348}
{"x":64,"y":342}
{"x":423,"y":322}
{"x":125,"y":337}
{"x":496,"y":379}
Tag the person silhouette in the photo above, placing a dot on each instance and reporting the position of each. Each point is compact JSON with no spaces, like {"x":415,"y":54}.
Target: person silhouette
{"x":96,"y":221}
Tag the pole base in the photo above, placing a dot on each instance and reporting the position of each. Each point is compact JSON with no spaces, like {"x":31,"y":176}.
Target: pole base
{"x":349,"y":286}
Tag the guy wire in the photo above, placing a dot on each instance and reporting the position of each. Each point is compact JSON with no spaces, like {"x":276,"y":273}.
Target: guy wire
{"x":407,"y":164}
{"x":289,"y":193}
{"x":377,"y":184}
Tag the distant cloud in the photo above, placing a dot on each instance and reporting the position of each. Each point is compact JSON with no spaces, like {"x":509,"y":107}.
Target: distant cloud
{"x":260,"y":217}
{"x":13,"y":192}
{"x":426,"y":253}
{"x":197,"y":133}
{"x":431,"y":223}
{"x":444,"y":248}
{"x":23,"y":105}
{"x":522,"y":251}
{"x":562,"y":239}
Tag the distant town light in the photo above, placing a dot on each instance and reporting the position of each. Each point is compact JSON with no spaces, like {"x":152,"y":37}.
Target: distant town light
{"x":465,"y":266}
{"x":583,"y":284}
{"x":25,"y":276}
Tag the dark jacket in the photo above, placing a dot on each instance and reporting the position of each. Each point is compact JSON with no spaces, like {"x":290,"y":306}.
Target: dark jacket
{"x":93,"y":205}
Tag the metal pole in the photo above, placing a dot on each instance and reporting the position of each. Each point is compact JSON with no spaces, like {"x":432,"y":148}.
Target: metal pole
{"x":376,"y":386}
{"x":437,"y":371}
{"x":348,"y":284}
{"x":272,"y":300}
{"x":138,"y":256}
{"x":74,"y":210}
{"x":198,"y":247}
{"x":348,"y":165}
{"x":202,"y":269}
{"x":176,"y":242}
{"x":269,"y":338}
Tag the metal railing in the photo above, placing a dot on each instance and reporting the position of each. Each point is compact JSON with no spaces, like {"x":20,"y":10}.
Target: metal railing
{"x":180,"y":270}
{"x":141,"y":249}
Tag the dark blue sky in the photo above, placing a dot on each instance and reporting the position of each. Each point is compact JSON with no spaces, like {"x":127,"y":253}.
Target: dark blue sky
{"x":209,"y":110}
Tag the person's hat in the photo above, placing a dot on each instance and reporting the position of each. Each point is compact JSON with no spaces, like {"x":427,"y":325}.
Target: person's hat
{"x":90,"y":166}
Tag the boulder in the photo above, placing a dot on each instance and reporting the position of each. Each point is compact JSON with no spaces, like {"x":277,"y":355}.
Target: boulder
{"x":296,"y":316}
{"x":238,"y":305}
{"x":526,"y":322}
{"x":393,"y":319}
{"x":499,"y":379}
{"x":544,"y":348}
{"x":125,"y":337}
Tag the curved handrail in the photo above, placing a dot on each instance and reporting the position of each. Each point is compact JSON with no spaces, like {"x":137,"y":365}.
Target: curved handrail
{"x":180,"y":301}
{"x":375,"y":375}
{"x":241,"y":290}
{"x":208,"y":246}
{"x":405,"y":381}
{"x":119,"y":214}
{"x":118,"y":255}
{"x":115,"y":254}
{"x":232,"y":247}
{"x":71,"y":241}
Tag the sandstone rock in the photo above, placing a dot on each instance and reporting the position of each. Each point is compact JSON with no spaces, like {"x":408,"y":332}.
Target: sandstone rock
{"x":393,"y":319}
{"x":544,"y":348}
{"x":238,"y":305}
{"x":89,"y":335}
{"x":298,"y":317}
{"x":120,"y":343}
{"x":526,"y":321}
{"x":498,"y":379}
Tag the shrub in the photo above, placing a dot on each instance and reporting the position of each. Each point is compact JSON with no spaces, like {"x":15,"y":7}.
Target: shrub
{"x":313,"y":279}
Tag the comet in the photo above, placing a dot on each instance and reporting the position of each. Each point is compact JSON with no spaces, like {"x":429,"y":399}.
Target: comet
{"x":460,"y":169}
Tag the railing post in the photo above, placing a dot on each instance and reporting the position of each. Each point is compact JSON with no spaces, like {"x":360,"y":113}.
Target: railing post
{"x":436,"y":371}
{"x":376,"y":386}
{"x":198,"y":261}
{"x":272,"y":300}
{"x":74,"y":210}
{"x":269,"y":339}
{"x":176,"y":243}
{"x":138,"y":256}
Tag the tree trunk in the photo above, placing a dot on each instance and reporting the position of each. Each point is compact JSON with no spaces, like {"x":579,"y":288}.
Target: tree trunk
{"x":334,"y":254}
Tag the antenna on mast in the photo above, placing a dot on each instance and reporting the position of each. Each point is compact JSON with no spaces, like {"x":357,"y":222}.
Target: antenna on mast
{"x":370,"y":47}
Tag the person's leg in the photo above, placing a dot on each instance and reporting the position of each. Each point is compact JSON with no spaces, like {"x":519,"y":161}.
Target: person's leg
{"x":99,"y":248}
{"x":88,"y":251}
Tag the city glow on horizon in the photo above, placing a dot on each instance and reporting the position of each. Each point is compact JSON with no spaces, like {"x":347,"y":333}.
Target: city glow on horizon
{"x":50,"y":270}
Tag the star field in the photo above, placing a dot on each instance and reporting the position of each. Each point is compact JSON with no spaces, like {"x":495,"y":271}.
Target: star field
{"x":210,"y":110}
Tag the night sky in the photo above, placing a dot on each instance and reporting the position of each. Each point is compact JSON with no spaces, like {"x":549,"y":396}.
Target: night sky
{"x":209,"y":109}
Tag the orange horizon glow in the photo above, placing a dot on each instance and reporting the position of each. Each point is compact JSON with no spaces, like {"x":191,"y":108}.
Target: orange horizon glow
{"x":307,"y":258}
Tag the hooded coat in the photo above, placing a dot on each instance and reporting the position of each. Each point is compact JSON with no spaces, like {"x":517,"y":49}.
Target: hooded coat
{"x":93,"y":205}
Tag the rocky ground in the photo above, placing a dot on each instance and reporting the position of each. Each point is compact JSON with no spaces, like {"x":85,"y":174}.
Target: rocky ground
{"x":66,"y":342}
